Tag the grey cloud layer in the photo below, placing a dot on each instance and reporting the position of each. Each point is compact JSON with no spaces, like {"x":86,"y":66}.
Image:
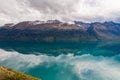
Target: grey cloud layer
{"x":58,"y":9}
{"x":66,"y":10}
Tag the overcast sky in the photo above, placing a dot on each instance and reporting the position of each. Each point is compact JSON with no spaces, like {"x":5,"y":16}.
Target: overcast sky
{"x":66,"y":10}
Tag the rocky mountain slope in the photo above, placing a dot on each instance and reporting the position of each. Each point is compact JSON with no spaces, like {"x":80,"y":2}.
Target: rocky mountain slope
{"x":9,"y":74}
{"x":54,"y":30}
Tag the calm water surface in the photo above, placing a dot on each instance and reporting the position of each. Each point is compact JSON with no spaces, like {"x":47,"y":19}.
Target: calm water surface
{"x":63,"y":60}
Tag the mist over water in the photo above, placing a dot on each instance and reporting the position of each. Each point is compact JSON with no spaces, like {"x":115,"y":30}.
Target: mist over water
{"x":63,"y":60}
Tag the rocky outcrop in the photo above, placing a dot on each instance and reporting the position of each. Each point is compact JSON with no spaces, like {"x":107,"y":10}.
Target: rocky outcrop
{"x":9,"y":74}
{"x":54,"y":30}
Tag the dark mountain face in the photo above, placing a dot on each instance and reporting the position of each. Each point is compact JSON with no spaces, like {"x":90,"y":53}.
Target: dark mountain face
{"x":54,"y":30}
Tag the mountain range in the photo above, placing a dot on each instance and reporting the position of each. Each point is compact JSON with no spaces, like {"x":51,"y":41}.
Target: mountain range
{"x":55,"y":30}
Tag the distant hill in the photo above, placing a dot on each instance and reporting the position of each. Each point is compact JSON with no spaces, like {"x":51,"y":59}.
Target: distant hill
{"x":9,"y":74}
{"x":55,"y":30}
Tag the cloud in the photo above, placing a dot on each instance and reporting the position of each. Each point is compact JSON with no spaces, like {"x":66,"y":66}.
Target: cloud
{"x":66,"y":10}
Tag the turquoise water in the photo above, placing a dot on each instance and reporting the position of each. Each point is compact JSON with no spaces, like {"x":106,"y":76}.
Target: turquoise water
{"x":63,"y":60}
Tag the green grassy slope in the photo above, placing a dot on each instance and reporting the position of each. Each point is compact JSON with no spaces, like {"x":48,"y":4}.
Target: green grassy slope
{"x":9,"y":74}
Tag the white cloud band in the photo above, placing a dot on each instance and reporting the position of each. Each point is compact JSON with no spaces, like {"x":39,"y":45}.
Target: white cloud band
{"x":66,"y":10}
